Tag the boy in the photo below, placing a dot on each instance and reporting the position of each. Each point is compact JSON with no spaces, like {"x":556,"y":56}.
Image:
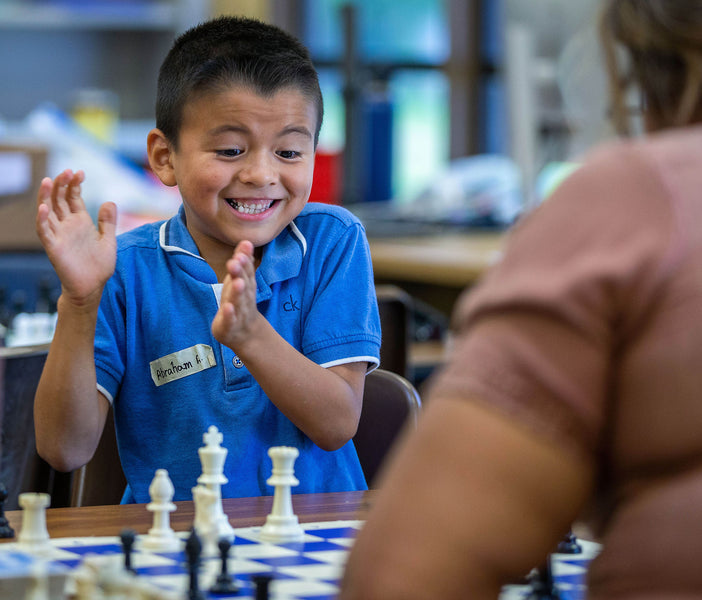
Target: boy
{"x":249,"y":310}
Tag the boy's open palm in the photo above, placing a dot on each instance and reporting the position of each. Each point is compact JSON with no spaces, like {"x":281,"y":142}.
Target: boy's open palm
{"x":83,"y":256}
{"x":238,"y":312}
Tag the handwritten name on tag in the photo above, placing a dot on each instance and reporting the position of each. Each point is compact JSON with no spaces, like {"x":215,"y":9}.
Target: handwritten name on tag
{"x":182,"y":363}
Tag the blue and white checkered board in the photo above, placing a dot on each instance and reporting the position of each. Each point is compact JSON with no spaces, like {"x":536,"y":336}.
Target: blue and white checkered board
{"x":309,"y":569}
{"x":568,"y":571}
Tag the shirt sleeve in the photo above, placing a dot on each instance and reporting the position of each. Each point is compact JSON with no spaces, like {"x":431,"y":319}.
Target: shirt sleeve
{"x":110,"y":361}
{"x":538,"y":338}
{"x":343,"y":324}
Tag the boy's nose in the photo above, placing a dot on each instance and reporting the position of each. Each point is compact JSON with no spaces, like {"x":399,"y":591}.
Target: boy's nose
{"x":257,"y":170}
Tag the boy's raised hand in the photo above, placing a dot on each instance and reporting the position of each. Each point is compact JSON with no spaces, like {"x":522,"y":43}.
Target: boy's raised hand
{"x":237,"y":312}
{"x":83,"y":256}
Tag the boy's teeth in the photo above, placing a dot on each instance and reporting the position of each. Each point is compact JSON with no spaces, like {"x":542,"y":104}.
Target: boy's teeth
{"x":249,"y":209}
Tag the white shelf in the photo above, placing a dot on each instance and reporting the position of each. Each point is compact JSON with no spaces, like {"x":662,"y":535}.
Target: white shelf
{"x":146,"y":16}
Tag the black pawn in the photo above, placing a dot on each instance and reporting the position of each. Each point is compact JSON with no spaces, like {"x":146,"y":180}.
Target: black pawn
{"x":542,"y":584}
{"x":193,"y":550}
{"x":262,"y":582}
{"x":569,"y":544}
{"x":128,"y":536}
{"x":5,"y":530}
{"x":225,"y":583}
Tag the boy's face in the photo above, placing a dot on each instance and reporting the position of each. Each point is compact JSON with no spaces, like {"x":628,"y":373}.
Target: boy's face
{"x":244,"y":165}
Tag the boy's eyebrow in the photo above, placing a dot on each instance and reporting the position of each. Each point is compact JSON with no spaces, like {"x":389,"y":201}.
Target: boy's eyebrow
{"x":299,"y":129}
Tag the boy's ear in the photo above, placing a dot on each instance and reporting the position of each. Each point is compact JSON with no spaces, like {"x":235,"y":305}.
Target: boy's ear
{"x":160,"y":153}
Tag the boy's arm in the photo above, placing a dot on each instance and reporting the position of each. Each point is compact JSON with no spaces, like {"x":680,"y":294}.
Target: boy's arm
{"x":69,"y":413}
{"x":324,"y":403}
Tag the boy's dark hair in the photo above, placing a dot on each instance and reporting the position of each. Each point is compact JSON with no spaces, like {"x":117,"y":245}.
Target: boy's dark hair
{"x":232,"y":50}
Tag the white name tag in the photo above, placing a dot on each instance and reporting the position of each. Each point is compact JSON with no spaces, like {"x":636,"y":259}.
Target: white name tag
{"x":182,"y":363}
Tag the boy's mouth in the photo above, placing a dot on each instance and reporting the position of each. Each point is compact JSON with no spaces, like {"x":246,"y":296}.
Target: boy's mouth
{"x":253,"y":207}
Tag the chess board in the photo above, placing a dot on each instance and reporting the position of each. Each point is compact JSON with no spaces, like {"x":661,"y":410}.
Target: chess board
{"x":309,"y":569}
{"x":569,"y":571}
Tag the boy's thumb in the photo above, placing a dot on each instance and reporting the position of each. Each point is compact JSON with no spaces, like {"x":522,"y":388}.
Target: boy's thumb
{"x":107,"y":219}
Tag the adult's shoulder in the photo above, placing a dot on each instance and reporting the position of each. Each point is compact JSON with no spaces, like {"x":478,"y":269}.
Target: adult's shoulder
{"x":631,"y":178}
{"x":655,"y":155}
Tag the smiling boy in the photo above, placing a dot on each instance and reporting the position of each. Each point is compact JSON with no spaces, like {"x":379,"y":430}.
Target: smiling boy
{"x":250,"y":310}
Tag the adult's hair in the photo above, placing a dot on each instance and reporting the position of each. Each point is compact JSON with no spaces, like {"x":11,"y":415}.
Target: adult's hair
{"x":228,"y":51}
{"x":662,"y":40}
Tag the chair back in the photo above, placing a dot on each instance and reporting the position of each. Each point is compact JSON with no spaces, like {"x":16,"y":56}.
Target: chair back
{"x":101,"y":481}
{"x":21,"y":468}
{"x":390,"y":404}
{"x":395,"y":310}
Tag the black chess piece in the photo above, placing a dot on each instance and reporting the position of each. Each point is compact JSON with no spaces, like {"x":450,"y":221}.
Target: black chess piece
{"x":542,"y":585}
{"x":225,"y":582}
{"x":5,"y":530}
{"x":193,"y":550}
{"x":569,"y":544}
{"x":128,"y":537}
{"x":262,"y":582}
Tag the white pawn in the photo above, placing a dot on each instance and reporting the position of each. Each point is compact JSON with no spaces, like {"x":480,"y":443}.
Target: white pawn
{"x":212,"y":456}
{"x":281,"y":524}
{"x":34,"y":534}
{"x":161,"y":536}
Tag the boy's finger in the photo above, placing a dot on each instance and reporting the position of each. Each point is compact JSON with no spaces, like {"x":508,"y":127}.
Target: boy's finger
{"x":73,"y":195}
{"x":58,"y":195}
{"x":58,"y":182}
{"x":44,"y":193}
{"x":245,"y":247}
{"x":107,"y":219}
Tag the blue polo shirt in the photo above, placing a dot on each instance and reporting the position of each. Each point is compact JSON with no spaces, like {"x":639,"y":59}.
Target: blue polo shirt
{"x":169,"y":379}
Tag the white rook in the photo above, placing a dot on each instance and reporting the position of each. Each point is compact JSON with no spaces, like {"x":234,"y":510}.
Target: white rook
{"x":282,"y":525}
{"x":34,"y":532}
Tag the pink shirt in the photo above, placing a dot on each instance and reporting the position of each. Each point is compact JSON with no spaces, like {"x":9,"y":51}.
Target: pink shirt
{"x":589,"y":331}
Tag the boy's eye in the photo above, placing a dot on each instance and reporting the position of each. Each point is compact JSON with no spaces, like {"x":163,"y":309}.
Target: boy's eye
{"x":229,"y":152}
{"x":289,"y":154}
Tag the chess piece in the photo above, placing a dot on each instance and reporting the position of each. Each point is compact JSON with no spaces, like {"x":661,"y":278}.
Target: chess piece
{"x":38,"y":583}
{"x":281,"y":524}
{"x":262,"y":583}
{"x":114,"y":581}
{"x":569,"y":544}
{"x":225,"y":582}
{"x":161,"y":536}
{"x":34,"y":533}
{"x":205,"y":524}
{"x":128,"y":537}
{"x":542,"y":585}
{"x":5,"y":530}
{"x":212,"y":456}
{"x":193,"y":549}
{"x":85,"y":582}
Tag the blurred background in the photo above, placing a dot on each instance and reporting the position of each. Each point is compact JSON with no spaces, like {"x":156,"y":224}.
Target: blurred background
{"x":443,"y":119}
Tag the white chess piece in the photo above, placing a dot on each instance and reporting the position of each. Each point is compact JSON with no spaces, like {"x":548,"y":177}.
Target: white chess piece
{"x":34,"y":534}
{"x":161,"y":536}
{"x":281,"y":524}
{"x":38,"y":583}
{"x":205,"y":501}
{"x":83,"y":583}
{"x":212,"y":457}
